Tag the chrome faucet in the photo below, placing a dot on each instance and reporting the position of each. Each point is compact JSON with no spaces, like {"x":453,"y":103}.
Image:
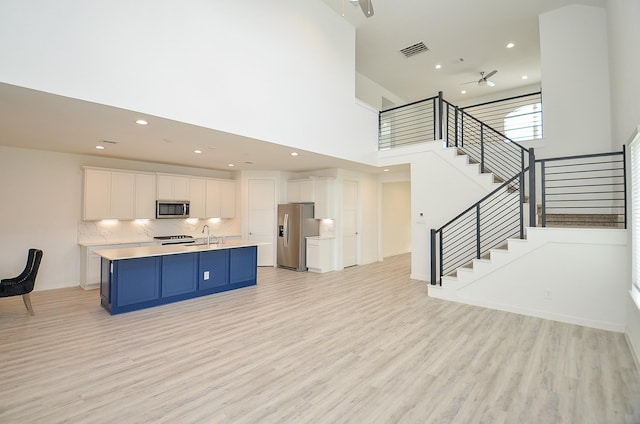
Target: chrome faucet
{"x":208,"y":234}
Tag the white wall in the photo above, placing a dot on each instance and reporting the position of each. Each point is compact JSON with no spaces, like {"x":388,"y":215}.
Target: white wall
{"x":266,"y":70}
{"x":441,"y":187}
{"x":624,"y":38}
{"x":568,"y":275}
{"x":623,"y":18}
{"x":372,"y":93}
{"x":42,"y":207}
{"x":395,"y":199}
{"x":369,"y":219}
{"x":575,"y":75}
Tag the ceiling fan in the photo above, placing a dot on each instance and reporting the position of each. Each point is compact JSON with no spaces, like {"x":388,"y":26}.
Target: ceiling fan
{"x":365,"y":5}
{"x":484,"y":79}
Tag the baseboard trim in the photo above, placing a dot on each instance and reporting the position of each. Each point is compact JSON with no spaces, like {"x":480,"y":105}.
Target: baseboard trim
{"x":439,"y":293}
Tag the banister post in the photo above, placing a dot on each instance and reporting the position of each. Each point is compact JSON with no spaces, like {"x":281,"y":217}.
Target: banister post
{"x":433,"y":257}
{"x":482,"y":148}
{"x":456,"y":124}
{"x":478,"y":232}
{"x":532,"y":188}
{"x":624,"y":175}
{"x":440,"y":113}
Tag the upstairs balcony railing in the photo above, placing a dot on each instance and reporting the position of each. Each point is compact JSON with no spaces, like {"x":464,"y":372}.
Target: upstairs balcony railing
{"x":584,"y":191}
{"x":518,"y":117}
{"x":413,"y":123}
{"x":435,"y":118}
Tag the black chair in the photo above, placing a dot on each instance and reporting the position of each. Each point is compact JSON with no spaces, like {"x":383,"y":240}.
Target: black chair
{"x":23,"y":284}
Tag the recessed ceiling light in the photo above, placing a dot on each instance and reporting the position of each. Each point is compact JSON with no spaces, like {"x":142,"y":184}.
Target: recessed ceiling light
{"x":438,"y":66}
{"x":231,"y":165}
{"x":525,"y":77}
{"x":141,"y":122}
{"x":100,"y":147}
{"x":294,"y":154}
{"x":510,"y":45}
{"x":463,"y":92}
{"x":385,"y":170}
{"x":197,"y":151}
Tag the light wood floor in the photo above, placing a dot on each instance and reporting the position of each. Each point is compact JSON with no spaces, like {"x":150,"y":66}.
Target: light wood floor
{"x":361,"y":346}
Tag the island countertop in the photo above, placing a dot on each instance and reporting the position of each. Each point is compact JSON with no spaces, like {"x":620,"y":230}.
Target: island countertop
{"x":169,"y":249}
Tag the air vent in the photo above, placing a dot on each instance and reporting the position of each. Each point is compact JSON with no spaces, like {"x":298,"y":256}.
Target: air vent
{"x":108,"y":142}
{"x":415,"y":49}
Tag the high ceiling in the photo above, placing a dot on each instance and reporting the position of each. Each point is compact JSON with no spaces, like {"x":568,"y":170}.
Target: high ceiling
{"x":42,"y":121}
{"x":465,"y":37}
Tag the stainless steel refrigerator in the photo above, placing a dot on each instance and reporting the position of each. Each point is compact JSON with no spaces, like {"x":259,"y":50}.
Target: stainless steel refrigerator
{"x":295,"y":222}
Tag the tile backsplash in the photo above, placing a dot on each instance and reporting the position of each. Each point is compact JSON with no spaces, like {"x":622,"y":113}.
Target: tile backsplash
{"x":145,"y":230}
{"x":327,"y":228}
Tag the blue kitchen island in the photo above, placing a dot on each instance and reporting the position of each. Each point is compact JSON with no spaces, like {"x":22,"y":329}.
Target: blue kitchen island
{"x":143,"y":277}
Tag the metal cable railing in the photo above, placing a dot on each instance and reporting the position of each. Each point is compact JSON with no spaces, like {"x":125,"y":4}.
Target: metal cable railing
{"x":577,"y":191}
{"x":435,"y":118}
{"x":408,"y":124}
{"x":585,"y":190}
{"x":481,"y":227}
{"x":494,"y":151}
{"x":518,"y":117}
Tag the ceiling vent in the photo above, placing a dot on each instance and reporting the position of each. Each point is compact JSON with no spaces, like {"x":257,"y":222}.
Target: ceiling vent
{"x":108,"y":142}
{"x":415,"y":49}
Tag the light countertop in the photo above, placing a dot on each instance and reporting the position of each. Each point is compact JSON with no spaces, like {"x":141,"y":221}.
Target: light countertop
{"x":141,"y":240}
{"x":169,"y":249}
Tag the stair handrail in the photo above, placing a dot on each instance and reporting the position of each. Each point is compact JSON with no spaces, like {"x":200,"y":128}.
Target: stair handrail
{"x":614,"y":170}
{"x":501,"y":165}
{"x":438,"y":270}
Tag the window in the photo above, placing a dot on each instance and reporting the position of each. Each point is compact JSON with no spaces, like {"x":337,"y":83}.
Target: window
{"x":634,"y":150}
{"x":524,"y":123}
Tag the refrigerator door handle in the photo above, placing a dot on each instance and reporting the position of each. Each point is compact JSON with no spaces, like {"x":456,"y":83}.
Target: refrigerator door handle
{"x":285,"y":232}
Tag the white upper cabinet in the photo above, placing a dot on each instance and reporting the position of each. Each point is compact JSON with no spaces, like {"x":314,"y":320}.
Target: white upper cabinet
{"x":122,"y":195}
{"x":228,"y":196}
{"x":317,"y":190}
{"x":197,"y":197}
{"x":221,"y":199}
{"x":324,"y":195}
{"x":97,"y":194}
{"x":300,"y":191}
{"x":172,"y":187}
{"x":145,"y":197}
{"x":114,"y":194}
{"x":118,"y":194}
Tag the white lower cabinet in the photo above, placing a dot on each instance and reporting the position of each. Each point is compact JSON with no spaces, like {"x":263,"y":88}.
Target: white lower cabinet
{"x":320,"y":254}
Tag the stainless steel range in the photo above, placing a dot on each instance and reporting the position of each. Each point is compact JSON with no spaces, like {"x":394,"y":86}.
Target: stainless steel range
{"x":177,"y":239}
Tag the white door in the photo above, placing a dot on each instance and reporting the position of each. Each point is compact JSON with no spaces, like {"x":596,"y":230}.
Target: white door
{"x":262,"y":221}
{"x":349,"y":223}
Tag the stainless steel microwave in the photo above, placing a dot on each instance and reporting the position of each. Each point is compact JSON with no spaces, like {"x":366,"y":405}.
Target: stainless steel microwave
{"x":172,"y":209}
